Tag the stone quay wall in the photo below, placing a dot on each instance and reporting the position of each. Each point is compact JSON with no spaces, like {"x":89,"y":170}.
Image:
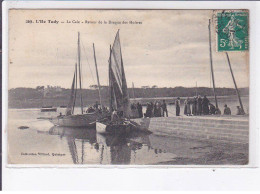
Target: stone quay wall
{"x":218,"y":129}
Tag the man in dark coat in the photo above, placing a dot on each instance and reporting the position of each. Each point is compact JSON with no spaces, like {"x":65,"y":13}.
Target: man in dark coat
{"x":157,"y":109}
{"x":178,"y":104}
{"x":205,"y":105}
{"x":96,"y":105}
{"x":140,"y":110}
{"x":227,"y":110}
{"x":194,"y":106}
{"x":152,"y":109}
{"x":199,"y":105}
{"x":164,"y":108}
{"x":149,"y":110}
{"x":212,"y":109}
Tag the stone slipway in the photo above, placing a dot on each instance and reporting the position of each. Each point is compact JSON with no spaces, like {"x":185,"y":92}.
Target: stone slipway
{"x":230,"y":129}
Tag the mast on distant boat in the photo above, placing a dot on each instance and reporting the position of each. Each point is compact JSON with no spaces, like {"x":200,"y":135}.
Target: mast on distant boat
{"x":81,"y":102}
{"x":211,"y":66}
{"x":133,"y":90}
{"x":76,"y":85}
{"x":196,"y":90}
{"x":99,"y":89}
{"x":124,"y":84}
{"x":110,"y":82}
{"x":71,"y":104}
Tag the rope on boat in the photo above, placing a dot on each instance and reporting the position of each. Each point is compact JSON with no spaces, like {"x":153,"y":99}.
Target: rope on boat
{"x":88,"y":63}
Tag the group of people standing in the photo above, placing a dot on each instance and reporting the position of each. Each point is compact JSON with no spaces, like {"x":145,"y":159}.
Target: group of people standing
{"x":197,"y":106}
{"x":192,"y":106}
{"x":202,"y":106}
{"x":156,"y":109}
{"x":137,"y":110}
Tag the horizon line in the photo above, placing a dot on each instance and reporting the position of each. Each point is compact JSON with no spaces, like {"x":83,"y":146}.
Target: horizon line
{"x":134,"y":87}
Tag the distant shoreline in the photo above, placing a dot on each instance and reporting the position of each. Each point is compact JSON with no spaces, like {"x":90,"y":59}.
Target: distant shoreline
{"x":143,"y":101}
{"x":184,"y":97}
{"x":56,"y":96}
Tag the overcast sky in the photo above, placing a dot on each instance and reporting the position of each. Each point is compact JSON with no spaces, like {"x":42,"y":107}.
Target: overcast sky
{"x":169,"y":49}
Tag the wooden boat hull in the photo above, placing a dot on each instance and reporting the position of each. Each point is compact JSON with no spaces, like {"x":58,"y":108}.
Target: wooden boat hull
{"x":85,"y":120}
{"x":103,"y":128}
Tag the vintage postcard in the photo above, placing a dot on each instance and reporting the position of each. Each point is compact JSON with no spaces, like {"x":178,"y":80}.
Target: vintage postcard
{"x":128,"y":87}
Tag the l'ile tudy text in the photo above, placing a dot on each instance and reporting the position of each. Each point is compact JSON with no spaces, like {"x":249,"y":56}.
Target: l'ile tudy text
{"x":109,"y":22}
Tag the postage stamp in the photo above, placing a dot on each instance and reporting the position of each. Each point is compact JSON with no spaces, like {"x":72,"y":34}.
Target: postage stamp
{"x":232,"y":31}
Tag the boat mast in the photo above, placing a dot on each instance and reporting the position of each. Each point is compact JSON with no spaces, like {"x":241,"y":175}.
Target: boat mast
{"x":211,"y":66}
{"x":133,"y":86}
{"x":110,"y":77}
{"x":75,"y":86}
{"x":70,"y":106}
{"x":238,"y":95}
{"x":81,"y":102}
{"x":99,"y":89}
{"x":196,"y":90}
{"x":124,"y":84}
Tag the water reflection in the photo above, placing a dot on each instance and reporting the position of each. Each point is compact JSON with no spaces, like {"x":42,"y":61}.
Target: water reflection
{"x":84,"y":146}
{"x":118,"y":146}
{"x":120,"y":151}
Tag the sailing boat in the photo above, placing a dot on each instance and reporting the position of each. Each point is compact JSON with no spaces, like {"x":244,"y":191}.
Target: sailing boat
{"x":77,"y":120}
{"x":119,"y":99}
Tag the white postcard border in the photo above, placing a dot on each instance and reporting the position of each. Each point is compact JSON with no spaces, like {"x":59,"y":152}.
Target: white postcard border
{"x":12,"y":176}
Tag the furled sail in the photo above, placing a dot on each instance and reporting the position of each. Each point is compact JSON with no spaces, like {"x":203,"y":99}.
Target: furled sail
{"x":117,"y":81}
{"x":70,"y":107}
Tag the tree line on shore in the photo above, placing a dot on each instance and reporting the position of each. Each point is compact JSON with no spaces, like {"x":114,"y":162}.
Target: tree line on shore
{"x":35,"y":97}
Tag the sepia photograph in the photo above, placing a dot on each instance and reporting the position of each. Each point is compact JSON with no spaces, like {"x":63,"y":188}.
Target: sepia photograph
{"x":128,"y":87}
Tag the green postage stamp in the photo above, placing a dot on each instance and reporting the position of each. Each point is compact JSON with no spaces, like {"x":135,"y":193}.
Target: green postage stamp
{"x":232,"y":31}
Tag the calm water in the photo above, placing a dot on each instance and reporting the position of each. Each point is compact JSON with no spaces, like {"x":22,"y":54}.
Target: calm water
{"x":42,"y":143}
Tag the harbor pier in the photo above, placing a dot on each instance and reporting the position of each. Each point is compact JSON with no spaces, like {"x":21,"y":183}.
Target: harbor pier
{"x":226,"y":129}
